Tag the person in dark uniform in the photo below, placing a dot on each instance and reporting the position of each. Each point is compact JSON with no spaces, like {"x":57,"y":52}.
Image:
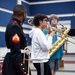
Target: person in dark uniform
{"x":15,"y":41}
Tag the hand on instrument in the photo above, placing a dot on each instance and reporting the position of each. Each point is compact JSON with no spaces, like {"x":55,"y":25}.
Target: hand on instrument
{"x":49,"y":29}
{"x":52,"y":33}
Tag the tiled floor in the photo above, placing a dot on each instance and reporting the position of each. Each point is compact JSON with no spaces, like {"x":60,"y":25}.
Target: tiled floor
{"x":69,"y":69}
{"x":69,"y":66}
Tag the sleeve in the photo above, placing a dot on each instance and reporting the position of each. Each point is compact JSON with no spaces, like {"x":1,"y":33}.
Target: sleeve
{"x":44,"y":43}
{"x":15,"y":38}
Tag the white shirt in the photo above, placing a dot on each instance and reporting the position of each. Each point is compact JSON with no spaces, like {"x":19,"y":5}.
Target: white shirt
{"x":40,"y":46}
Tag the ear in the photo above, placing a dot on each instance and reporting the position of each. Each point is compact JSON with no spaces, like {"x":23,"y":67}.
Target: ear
{"x":24,"y":15}
{"x":40,"y":21}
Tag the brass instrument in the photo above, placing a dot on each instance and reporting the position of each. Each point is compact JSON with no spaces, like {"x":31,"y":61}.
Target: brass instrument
{"x":30,"y":22}
{"x":26,"y":59}
{"x":63,"y":38}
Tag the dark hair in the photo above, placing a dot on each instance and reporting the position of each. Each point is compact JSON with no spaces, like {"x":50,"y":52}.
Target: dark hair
{"x":37,"y":18}
{"x":19,"y":10}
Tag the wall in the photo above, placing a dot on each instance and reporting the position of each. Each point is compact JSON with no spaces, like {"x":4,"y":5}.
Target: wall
{"x":64,"y":9}
{"x":6,"y":7}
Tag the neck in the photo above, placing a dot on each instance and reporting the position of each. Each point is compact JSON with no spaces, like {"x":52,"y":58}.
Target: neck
{"x":39,"y":27}
{"x":19,"y":18}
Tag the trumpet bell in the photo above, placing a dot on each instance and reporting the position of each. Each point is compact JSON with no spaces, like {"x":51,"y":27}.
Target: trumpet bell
{"x":30,"y":22}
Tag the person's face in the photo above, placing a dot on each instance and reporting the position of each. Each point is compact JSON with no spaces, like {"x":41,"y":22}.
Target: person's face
{"x":54,"y":22}
{"x":44,"y":23}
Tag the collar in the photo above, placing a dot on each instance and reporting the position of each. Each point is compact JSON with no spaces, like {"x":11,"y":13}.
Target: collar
{"x":18,"y":21}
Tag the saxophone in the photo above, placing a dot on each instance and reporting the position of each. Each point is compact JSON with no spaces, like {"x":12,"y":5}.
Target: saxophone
{"x":63,"y":38}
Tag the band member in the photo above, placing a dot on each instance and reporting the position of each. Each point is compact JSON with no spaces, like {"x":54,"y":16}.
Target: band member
{"x":15,"y":41}
{"x":55,"y":59}
{"x":40,"y":45}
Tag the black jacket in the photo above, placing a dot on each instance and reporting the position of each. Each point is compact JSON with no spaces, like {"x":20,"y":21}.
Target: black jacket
{"x":15,"y":41}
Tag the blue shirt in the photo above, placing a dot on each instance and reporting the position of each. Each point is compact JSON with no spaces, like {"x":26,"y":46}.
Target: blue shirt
{"x":58,"y":54}
{"x":45,"y":32}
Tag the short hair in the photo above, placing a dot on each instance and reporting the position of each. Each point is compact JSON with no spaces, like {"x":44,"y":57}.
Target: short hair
{"x":37,"y":18}
{"x":54,"y":16}
{"x":19,"y":10}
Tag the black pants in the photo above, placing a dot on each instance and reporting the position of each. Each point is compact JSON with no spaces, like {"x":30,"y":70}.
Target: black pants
{"x":42,"y":68}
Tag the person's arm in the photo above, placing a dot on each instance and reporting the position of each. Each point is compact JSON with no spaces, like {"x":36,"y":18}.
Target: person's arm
{"x":65,"y":48}
{"x":15,"y":39}
{"x":43,"y":42}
